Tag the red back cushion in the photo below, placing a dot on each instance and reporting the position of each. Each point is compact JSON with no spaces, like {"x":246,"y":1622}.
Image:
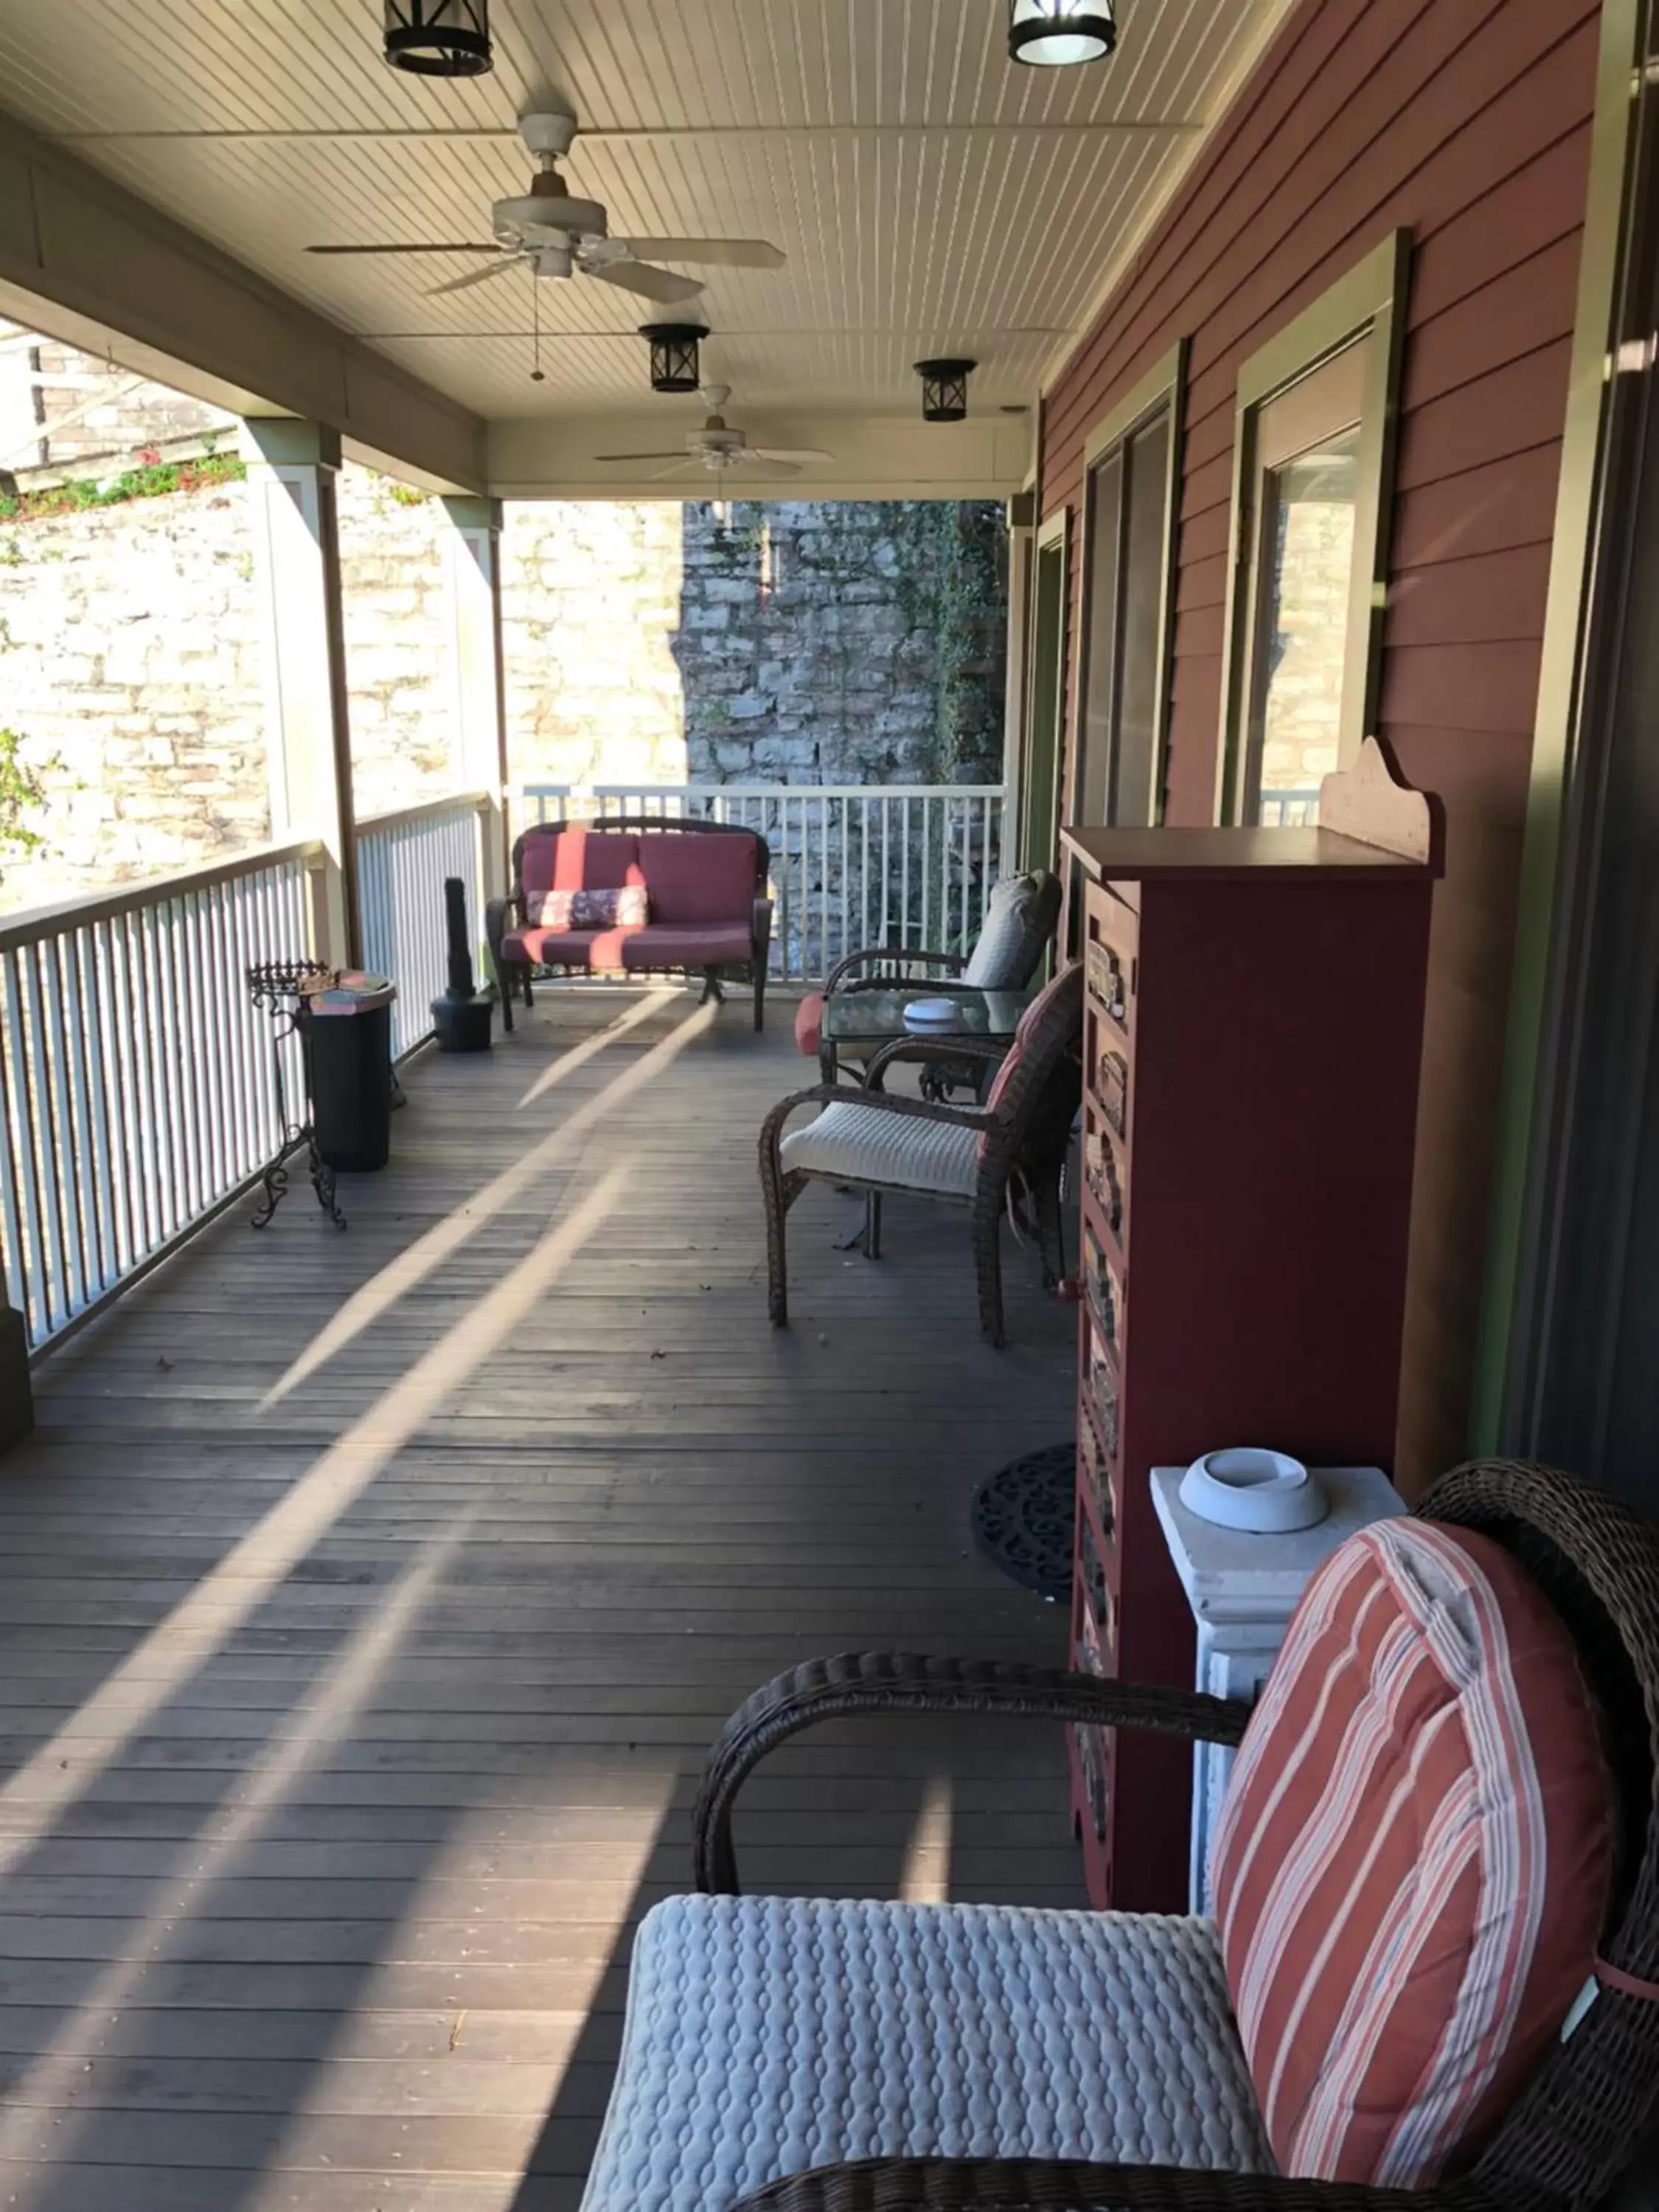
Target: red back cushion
{"x":692,"y":877}
{"x":577,"y":859}
{"x":1066,"y":981}
{"x":1415,"y":1858}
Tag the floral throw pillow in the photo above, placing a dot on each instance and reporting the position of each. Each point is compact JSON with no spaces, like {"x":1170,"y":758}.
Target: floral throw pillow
{"x":627,"y":908}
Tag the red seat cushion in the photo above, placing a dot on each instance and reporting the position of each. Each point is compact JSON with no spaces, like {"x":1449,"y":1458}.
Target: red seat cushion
{"x":659,"y":945}
{"x":699,"y":876}
{"x":700,"y":945}
{"x":808,"y":1024}
{"x":1415,"y":1857}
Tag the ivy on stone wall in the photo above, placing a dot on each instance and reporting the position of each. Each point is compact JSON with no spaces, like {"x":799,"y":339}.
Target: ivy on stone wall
{"x":845,"y":641}
{"x":149,"y":480}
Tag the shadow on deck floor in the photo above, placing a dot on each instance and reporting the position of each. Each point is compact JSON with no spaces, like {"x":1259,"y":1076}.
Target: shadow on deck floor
{"x":369,"y":1601}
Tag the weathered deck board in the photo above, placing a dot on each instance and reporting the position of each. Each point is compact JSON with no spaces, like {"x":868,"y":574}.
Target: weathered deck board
{"x":344,"y":1737}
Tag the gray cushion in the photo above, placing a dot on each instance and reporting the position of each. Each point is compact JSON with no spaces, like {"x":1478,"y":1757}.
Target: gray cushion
{"x":766,"y":2035}
{"x":865,"y":1144}
{"x":1006,"y":954}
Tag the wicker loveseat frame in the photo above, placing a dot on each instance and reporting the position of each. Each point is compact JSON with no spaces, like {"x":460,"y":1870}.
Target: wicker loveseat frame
{"x":1574,"y":2130}
{"x":505,"y":920}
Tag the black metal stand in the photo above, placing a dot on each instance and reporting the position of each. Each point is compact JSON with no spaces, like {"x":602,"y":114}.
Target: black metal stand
{"x":279,"y":988}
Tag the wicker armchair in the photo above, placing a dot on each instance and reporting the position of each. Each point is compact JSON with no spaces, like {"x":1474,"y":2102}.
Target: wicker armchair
{"x":1565,"y":2139}
{"x":1020,"y":920}
{"x":976,"y":1156}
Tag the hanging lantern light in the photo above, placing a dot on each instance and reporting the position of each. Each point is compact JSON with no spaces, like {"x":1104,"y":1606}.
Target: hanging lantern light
{"x":438,"y":38}
{"x":944,"y":389}
{"x":1059,"y":33}
{"x":674,"y":363}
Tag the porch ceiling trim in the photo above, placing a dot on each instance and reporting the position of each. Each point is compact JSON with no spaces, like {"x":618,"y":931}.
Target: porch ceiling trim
{"x":87,"y":263}
{"x":875,"y":457}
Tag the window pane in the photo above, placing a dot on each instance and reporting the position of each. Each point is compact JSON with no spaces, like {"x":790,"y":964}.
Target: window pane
{"x":1136,"y":795}
{"x":1307,"y":545}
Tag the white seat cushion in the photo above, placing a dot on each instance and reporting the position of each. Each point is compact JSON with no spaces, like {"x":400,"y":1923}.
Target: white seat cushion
{"x":766,"y":2035}
{"x":867,"y":1146}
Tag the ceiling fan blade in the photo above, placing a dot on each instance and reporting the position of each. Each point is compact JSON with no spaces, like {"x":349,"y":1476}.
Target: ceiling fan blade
{"x":471,"y":245}
{"x":475,"y":276}
{"x":658,"y":284}
{"x":681,"y":456}
{"x":772,"y":467}
{"x":717,"y":252}
{"x":793,"y":453}
{"x":686,"y":468}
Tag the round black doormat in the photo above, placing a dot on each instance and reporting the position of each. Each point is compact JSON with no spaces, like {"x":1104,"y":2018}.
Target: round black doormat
{"x":1024,"y":1520}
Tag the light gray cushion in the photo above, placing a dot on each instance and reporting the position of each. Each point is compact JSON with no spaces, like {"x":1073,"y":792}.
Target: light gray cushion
{"x":865,"y":1145}
{"x":766,"y":2035}
{"x":1008,"y":947}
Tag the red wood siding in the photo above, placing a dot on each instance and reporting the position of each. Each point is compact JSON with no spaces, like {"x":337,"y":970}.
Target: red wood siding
{"x":1467,"y":123}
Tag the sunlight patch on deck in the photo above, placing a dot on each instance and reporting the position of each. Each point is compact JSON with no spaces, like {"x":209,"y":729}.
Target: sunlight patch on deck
{"x":261,"y":1562}
{"x":415,"y":1263}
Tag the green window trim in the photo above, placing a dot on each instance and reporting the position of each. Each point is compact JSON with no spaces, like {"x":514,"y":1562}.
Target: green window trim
{"x":1367,"y":303}
{"x":1045,"y":701}
{"x":1164,"y":385}
{"x":1514,"y":1233}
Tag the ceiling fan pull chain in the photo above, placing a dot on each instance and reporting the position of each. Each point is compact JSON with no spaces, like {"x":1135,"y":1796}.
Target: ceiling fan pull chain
{"x":535,"y":376}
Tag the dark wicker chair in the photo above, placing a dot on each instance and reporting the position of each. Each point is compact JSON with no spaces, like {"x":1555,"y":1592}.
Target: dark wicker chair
{"x":976,"y":1156}
{"x":1021,"y":918}
{"x":1579,"y":2123}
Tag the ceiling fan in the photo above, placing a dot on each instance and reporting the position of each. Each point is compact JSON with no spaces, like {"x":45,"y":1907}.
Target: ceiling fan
{"x":719,"y":446}
{"x":558,"y":236}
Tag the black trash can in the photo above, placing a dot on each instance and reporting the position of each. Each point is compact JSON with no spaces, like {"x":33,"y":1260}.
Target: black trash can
{"x":348,"y":1042}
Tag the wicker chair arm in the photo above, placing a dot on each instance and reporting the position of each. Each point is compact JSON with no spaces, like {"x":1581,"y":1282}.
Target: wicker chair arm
{"x":1032,"y":2185}
{"x":822,"y":1094}
{"x":940,"y":1049}
{"x":951,"y":963}
{"x":498,"y":913}
{"x":902,"y":1682}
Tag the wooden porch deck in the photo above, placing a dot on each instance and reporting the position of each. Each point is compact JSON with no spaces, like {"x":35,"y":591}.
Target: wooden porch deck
{"x":369,"y":1601}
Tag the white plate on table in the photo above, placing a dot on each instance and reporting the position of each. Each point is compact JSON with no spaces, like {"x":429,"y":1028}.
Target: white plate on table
{"x":932,"y":1014}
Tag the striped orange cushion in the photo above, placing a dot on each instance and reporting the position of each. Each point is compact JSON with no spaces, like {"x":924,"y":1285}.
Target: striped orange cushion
{"x":1414,"y":1861}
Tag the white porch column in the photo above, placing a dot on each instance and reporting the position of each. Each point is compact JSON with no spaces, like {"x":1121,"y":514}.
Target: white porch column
{"x":473,"y":562}
{"x":292,"y":466}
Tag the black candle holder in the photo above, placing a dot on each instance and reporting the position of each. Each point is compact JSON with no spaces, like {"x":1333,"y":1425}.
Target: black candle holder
{"x":280,"y":989}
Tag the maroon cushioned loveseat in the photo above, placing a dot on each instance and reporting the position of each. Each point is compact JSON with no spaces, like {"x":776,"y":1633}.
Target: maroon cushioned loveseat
{"x":706,"y":905}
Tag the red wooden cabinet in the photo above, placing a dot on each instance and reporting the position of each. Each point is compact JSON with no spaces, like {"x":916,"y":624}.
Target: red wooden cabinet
{"x":1253,"y":1032}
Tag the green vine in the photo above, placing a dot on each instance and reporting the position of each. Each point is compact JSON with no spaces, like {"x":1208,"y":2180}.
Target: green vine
{"x":21,"y":790}
{"x":149,"y":480}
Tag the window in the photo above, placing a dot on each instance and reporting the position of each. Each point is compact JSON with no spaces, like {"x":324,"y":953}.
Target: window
{"x":1131,"y":459}
{"x":1312,"y":456}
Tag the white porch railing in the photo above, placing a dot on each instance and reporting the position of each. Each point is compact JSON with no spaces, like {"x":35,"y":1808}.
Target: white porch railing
{"x":852,"y":864}
{"x":136,"y":1090}
{"x":402,"y":861}
{"x":1288,"y":810}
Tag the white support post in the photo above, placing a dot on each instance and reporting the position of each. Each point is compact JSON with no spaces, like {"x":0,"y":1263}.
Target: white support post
{"x":473,"y":565}
{"x":292,"y":466}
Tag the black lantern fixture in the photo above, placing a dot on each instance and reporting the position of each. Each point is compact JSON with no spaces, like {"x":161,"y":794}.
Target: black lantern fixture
{"x":1060,"y":33}
{"x":674,"y":363}
{"x":944,"y":389}
{"x":438,"y":38}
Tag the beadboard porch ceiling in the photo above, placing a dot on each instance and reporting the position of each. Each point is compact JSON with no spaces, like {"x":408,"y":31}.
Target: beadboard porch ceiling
{"x":931,"y":197}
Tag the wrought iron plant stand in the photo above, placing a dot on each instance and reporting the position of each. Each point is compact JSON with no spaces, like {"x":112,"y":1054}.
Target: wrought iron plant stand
{"x":280,"y":988}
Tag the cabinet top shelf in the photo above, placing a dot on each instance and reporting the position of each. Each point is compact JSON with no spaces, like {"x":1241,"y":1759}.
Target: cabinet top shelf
{"x":1369,"y":819}
{"x":1133,"y":856}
